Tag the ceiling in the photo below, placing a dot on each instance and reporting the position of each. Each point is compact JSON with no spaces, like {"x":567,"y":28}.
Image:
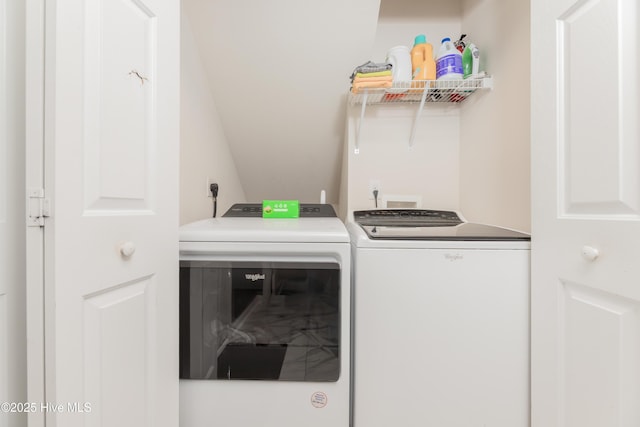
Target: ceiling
{"x":279,"y":71}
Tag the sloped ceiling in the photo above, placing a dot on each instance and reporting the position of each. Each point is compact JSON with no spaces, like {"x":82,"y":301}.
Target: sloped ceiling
{"x":279,"y":71}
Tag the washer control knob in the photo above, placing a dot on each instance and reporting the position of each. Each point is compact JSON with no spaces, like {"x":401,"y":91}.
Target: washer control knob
{"x":590,"y":253}
{"x":127,"y":249}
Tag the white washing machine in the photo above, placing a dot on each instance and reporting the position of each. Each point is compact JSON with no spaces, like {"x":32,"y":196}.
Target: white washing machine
{"x":265,"y":320}
{"x":441,"y":321}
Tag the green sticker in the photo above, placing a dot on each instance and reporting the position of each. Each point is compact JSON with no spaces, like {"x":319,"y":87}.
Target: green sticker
{"x":280,"y":209}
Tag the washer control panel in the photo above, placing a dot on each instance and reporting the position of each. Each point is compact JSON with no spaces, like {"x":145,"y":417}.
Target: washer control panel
{"x":403,"y":217}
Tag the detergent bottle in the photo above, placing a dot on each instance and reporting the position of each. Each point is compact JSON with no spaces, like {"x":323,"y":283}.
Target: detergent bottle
{"x":423,"y":66}
{"x":471,"y":61}
{"x":400,"y":60}
{"x":448,"y":61}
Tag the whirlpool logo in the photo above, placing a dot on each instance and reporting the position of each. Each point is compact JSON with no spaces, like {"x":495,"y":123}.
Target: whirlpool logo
{"x":453,"y":257}
{"x":253,"y":277}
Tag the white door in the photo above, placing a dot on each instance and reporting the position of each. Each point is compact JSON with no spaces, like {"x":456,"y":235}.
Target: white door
{"x":111,"y":244}
{"x":586,"y":213}
{"x":13,"y":374}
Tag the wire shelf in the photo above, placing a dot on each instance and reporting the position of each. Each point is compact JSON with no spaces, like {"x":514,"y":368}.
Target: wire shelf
{"x":417,"y":91}
{"x":440,"y":91}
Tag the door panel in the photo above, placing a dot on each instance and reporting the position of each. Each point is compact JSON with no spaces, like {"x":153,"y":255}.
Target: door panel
{"x":605,"y":355}
{"x":3,"y":117}
{"x":121,"y":317}
{"x":597,"y":112}
{"x":112,"y":242}
{"x":4,"y":367}
{"x":586,"y":211}
{"x":120,"y":117}
{"x":4,"y":242}
{"x":13,"y":375}
{"x":34,"y":180}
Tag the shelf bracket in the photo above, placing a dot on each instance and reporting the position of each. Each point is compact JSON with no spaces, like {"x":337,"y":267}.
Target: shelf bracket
{"x":451,"y":92}
{"x":362,"y":111}
{"x":417,"y":117}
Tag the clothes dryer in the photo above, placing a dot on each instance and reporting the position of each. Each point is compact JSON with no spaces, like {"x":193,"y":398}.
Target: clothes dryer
{"x":265,"y":320}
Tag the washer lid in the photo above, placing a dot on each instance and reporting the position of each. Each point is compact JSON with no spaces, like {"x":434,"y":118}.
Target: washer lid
{"x":424,"y":224}
{"x":405,"y":217}
{"x":464,"y":231}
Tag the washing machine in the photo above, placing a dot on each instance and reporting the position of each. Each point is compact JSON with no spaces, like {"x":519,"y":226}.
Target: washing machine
{"x":441,"y":321}
{"x":265,"y":312}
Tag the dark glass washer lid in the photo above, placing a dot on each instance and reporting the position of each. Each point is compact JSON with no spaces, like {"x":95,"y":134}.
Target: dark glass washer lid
{"x":404,"y":217}
{"x":421,"y":224}
{"x":465,"y":231}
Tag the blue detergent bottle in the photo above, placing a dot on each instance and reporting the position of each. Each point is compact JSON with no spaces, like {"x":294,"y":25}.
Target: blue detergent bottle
{"x":448,"y":61}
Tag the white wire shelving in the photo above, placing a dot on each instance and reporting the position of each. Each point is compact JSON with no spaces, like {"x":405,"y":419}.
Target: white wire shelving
{"x":418,"y":91}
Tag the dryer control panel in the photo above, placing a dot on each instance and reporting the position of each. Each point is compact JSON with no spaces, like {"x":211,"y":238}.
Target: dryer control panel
{"x":254,"y":210}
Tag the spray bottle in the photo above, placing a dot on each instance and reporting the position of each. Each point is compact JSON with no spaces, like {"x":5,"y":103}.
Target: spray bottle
{"x":460,"y":44}
{"x":471,"y":61}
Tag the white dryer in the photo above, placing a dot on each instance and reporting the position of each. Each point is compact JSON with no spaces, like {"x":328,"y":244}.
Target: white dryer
{"x":265,"y":320}
{"x":441,"y":323}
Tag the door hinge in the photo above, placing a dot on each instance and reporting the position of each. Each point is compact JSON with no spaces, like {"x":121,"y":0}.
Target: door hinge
{"x":37,"y":207}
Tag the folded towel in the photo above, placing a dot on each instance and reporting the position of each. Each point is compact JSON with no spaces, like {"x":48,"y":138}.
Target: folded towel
{"x":375,"y":74}
{"x":357,"y":87}
{"x":370,"y":67}
{"x":373,"y":79}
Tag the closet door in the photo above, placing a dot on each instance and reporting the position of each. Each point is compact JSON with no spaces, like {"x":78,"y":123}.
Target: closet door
{"x":13,"y":373}
{"x":586,"y":213}
{"x":111,"y":243}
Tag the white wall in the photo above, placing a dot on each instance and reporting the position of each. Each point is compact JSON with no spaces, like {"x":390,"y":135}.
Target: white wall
{"x":494,"y":134}
{"x":204,"y":151}
{"x":13,"y":375}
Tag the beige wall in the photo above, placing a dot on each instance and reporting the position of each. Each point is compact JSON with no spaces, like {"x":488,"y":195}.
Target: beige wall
{"x":279,"y":71}
{"x":428,"y":170}
{"x":473,"y":158}
{"x":204,"y":151}
{"x":494,"y":133}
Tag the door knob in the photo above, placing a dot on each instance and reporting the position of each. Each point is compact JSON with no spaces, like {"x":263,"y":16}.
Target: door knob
{"x":127,"y":249}
{"x":590,"y":253}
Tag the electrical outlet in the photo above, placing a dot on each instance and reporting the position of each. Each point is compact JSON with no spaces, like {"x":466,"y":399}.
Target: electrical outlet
{"x":209,"y":182}
{"x":374,"y":184}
